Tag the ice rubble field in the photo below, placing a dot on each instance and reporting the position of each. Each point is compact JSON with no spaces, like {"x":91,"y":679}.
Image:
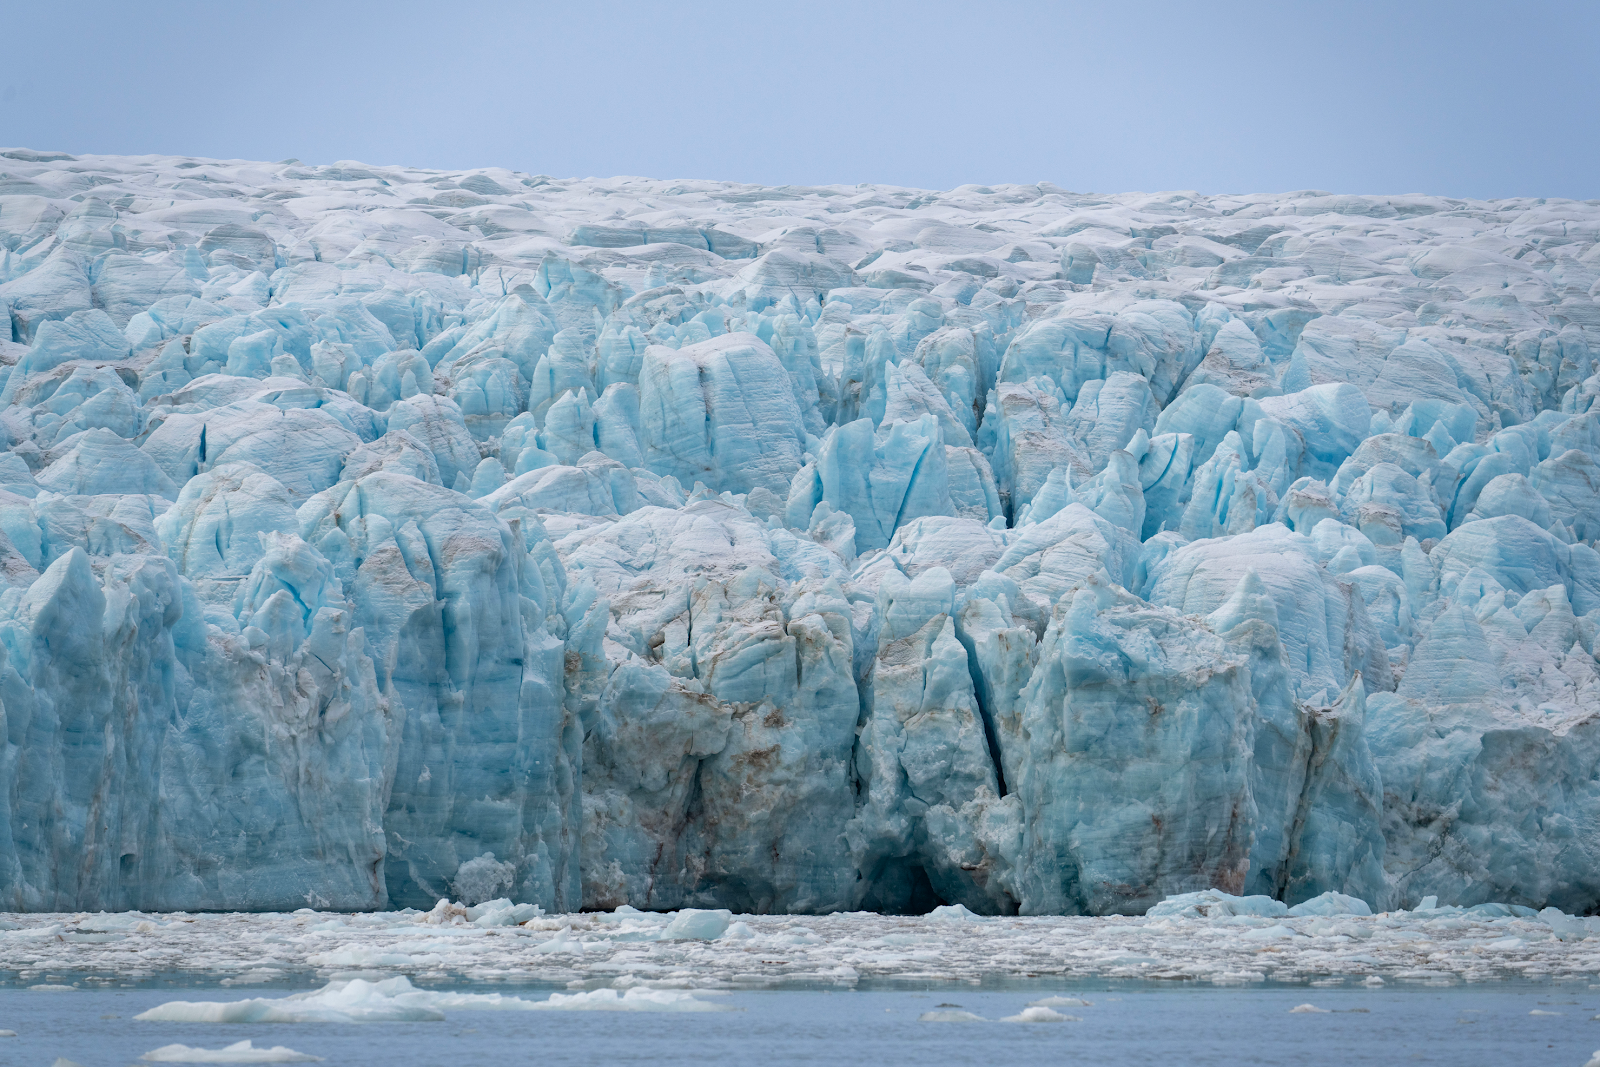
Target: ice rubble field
{"x":628,"y":960}
{"x":374,"y":535}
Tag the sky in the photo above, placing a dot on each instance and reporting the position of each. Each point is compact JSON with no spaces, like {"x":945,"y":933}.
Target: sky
{"x":1461,"y":99}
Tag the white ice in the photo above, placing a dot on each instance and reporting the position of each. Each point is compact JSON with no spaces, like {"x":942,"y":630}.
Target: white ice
{"x":396,"y":1000}
{"x":1039,"y":1015}
{"x":638,"y":998}
{"x":367,"y":959}
{"x":238,"y":1052}
{"x":353,"y":1001}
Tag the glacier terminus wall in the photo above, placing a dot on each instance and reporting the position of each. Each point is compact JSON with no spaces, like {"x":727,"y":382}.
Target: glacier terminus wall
{"x":371,"y":535}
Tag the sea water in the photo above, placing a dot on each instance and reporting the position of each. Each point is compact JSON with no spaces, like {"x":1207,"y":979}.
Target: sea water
{"x":1120,"y":1022}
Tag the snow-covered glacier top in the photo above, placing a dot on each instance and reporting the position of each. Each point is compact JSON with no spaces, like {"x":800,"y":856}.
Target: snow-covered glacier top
{"x":371,"y":535}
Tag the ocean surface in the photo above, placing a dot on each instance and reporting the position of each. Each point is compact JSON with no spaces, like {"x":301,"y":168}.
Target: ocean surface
{"x":1460,"y":1025}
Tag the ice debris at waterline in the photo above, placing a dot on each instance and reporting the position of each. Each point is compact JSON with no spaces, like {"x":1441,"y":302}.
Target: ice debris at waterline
{"x":631,"y":960}
{"x":371,"y":535}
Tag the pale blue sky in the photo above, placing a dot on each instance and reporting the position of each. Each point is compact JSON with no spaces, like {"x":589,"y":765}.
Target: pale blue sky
{"x":1469,"y":98}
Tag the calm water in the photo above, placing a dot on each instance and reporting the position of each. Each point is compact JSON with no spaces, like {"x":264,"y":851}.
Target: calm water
{"x":1458,"y":1026}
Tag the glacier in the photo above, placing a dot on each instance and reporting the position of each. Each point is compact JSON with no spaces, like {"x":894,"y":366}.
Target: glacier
{"x":372,"y":535}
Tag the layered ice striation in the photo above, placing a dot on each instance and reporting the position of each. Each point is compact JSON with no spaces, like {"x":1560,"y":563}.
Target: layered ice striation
{"x":372,"y":535}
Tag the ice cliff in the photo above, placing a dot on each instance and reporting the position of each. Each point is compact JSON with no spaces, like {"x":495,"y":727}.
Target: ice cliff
{"x":370,"y":535}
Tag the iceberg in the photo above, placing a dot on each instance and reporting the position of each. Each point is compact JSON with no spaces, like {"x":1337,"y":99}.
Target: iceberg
{"x":377,"y":536}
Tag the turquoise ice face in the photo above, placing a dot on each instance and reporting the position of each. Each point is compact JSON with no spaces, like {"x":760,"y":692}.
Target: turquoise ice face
{"x":374,"y":536}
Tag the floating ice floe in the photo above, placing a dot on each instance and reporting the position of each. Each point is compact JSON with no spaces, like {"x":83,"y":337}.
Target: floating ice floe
{"x":396,"y":1000}
{"x":1040,"y":1015}
{"x":638,"y":998}
{"x":698,"y":925}
{"x":238,"y":1052}
{"x":357,"y":1000}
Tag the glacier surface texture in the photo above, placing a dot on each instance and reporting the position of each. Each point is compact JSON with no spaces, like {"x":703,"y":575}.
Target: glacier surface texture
{"x":372,"y":535}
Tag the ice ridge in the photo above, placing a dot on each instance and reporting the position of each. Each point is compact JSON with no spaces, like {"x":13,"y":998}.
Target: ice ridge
{"x":375,"y":535}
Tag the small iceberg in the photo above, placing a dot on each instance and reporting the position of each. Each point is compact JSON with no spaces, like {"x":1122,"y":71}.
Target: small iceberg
{"x":238,"y":1052}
